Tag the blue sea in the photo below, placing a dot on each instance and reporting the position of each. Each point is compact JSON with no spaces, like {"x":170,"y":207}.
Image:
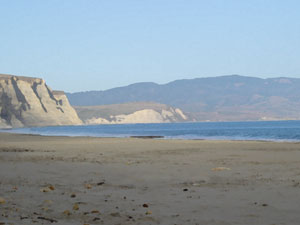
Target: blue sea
{"x":261,"y":130}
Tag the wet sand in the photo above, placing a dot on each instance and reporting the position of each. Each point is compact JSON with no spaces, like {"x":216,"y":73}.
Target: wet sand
{"x":114,"y":181}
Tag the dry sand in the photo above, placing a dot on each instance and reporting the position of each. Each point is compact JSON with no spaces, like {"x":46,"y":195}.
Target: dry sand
{"x":79,"y":180}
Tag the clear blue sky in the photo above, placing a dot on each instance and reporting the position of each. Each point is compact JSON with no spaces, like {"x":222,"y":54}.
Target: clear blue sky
{"x":78,"y":45}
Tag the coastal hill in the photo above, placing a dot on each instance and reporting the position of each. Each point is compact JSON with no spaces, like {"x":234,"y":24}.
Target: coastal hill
{"x":27,"y":101}
{"x":135,"y":112}
{"x":224,"y":98}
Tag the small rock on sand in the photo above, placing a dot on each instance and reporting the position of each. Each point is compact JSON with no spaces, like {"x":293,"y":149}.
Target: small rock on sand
{"x":67,"y":212}
{"x":2,"y":200}
{"x":88,"y":186}
{"x":95,"y":211}
{"x":73,"y":195}
{"x":51,"y":187}
{"x":75,"y":206}
{"x":220,"y":168}
{"x":116,"y":214}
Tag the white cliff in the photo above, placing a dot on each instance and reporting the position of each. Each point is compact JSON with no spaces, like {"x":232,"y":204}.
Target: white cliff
{"x":130,"y":113}
{"x":26,"y":101}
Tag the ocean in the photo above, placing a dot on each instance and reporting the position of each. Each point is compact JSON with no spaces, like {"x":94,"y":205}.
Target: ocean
{"x":259,"y":130}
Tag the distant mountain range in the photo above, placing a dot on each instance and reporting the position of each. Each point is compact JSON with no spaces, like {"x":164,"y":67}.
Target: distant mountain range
{"x":224,"y":98}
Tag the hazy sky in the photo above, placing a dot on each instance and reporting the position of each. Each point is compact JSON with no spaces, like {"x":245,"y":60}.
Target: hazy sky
{"x":78,"y":45}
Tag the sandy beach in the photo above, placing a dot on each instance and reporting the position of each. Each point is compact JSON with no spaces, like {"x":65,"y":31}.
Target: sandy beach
{"x":119,"y":181}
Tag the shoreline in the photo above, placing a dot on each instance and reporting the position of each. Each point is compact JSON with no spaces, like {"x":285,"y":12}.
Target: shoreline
{"x":242,"y":131}
{"x":159,"y":137}
{"x":89,"y":180}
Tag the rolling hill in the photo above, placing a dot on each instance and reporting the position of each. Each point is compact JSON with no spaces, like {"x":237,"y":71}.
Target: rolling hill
{"x":224,"y":98}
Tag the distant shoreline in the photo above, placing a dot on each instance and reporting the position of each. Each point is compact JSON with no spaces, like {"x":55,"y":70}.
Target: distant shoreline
{"x":271,"y":131}
{"x":16,"y":135}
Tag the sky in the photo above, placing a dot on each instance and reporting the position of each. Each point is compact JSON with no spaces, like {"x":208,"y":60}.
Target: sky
{"x":81,"y":45}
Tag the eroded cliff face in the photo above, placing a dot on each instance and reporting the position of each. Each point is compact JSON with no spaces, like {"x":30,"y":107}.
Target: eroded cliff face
{"x":142,"y":116}
{"x":136,"y":112}
{"x":26,"y":101}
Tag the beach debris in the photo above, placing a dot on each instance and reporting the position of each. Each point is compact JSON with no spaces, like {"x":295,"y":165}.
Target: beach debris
{"x":264,"y":204}
{"x":67,"y":213}
{"x":47,"y":189}
{"x":198,"y":183}
{"x":148,"y":137}
{"x":4,"y":215}
{"x":116,"y":214}
{"x":81,"y":203}
{"x":51,"y":187}
{"x":47,"y":219}
{"x":2,"y":200}
{"x":96,"y":218}
{"x":185,"y":189}
{"x":220,"y":169}
{"x":14,"y":188}
{"x":145,"y":205}
{"x":23,"y":217}
{"x":88,"y":186}
{"x":148,"y":212}
{"x":101,"y":183}
{"x":73,"y":195}
{"x":75,"y":206}
{"x":95,"y":211}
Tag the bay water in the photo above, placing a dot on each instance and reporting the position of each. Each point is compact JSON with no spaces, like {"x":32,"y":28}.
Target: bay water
{"x":258,"y":130}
